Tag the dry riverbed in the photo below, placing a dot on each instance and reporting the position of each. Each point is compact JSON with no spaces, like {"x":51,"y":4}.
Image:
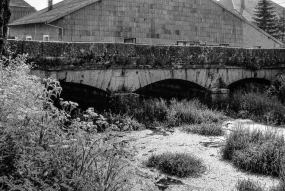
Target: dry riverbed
{"x":219,"y":176}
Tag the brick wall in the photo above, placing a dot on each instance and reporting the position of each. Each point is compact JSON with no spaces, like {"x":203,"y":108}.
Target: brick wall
{"x":37,"y":31}
{"x":153,"y":22}
{"x":252,"y":37}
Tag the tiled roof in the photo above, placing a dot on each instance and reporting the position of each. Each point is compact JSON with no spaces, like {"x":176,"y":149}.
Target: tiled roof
{"x":19,"y":3}
{"x":59,"y":10}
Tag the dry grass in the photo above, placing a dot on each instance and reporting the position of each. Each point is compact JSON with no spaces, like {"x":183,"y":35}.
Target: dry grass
{"x":177,"y":164}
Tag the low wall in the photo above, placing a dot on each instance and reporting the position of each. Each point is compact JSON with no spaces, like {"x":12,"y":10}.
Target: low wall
{"x":60,"y":56}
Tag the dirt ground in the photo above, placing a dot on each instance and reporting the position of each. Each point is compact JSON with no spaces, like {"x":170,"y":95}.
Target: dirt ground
{"x":219,"y":176}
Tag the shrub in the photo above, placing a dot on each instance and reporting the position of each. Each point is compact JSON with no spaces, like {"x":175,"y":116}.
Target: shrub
{"x":258,"y":107}
{"x":248,"y":185}
{"x":143,"y":110}
{"x":207,"y":129}
{"x":191,"y":112}
{"x":181,"y":165}
{"x":277,"y":87}
{"x":256,"y":151}
{"x":37,"y":150}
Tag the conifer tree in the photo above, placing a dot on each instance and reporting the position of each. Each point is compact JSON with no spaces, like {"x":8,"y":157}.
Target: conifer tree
{"x":5,"y":14}
{"x":281,"y":26}
{"x":265,"y":18}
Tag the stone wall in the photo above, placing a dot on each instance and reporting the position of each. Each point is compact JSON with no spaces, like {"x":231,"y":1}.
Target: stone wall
{"x":60,"y":56}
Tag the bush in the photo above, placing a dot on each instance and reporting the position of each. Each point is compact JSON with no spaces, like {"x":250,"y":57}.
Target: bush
{"x":38,"y":151}
{"x":181,"y":165}
{"x":248,"y":185}
{"x":191,"y":112}
{"x":256,"y":151}
{"x":259,"y":107}
{"x":207,"y":129}
{"x":143,"y":110}
{"x":277,"y":87}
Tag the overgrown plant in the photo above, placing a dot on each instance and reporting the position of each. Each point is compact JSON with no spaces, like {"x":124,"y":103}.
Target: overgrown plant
{"x":177,"y":164}
{"x":256,"y":151}
{"x":259,"y":107}
{"x":39,"y":149}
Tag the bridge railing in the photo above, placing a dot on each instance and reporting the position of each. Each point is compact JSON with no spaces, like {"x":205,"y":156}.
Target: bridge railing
{"x":59,"y":55}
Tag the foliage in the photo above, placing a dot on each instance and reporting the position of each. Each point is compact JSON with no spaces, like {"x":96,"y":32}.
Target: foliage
{"x":42,"y":147}
{"x":177,"y":164}
{"x":248,"y":185}
{"x":191,"y":112}
{"x":277,"y":87}
{"x":256,"y":151}
{"x":174,"y":113}
{"x":281,"y":26}
{"x":264,"y":17}
{"x":259,"y":107}
{"x":207,"y":129}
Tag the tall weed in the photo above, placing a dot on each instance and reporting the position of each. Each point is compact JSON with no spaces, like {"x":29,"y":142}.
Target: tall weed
{"x":256,"y":151}
{"x":37,"y":150}
{"x":259,"y":107}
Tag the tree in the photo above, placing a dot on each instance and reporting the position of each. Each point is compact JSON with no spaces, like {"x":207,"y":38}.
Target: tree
{"x":5,"y":15}
{"x":265,"y":18}
{"x":281,"y":26}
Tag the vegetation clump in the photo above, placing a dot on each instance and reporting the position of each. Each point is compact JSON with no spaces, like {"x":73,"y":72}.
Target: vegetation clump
{"x":248,"y":185}
{"x":259,"y":107}
{"x":207,"y":129}
{"x":43,"y":147}
{"x":256,"y":151}
{"x":177,"y":164}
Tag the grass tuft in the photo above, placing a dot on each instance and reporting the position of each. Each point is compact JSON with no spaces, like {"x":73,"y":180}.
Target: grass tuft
{"x":256,"y":151}
{"x":177,"y":164}
{"x":207,"y":129}
{"x":248,"y":185}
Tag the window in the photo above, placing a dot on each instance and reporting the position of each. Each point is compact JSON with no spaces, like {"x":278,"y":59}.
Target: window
{"x":46,"y":38}
{"x":130,"y":40}
{"x":29,"y":38}
{"x":187,"y":43}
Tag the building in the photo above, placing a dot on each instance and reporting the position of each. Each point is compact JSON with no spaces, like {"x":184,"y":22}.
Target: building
{"x":19,"y":9}
{"x":167,"y":22}
{"x":246,"y":8}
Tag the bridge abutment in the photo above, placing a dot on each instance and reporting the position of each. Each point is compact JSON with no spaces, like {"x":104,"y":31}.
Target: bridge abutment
{"x":218,"y":95}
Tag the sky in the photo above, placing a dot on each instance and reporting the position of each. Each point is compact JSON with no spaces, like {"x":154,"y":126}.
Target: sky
{"x":40,"y":4}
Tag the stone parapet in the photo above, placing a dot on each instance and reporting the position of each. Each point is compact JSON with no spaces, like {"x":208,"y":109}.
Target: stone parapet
{"x":51,"y":55}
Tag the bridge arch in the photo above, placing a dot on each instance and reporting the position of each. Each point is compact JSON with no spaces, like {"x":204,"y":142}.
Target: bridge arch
{"x":86,"y":96}
{"x":243,"y":83}
{"x":169,"y":88}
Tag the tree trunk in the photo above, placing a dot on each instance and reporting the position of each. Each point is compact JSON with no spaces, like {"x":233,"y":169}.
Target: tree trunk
{"x":5,"y":15}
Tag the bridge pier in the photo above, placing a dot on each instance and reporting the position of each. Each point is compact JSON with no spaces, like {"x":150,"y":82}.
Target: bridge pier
{"x":219,"y":95}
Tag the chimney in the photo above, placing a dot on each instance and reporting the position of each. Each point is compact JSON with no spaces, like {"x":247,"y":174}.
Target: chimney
{"x":49,"y":5}
{"x":242,"y":6}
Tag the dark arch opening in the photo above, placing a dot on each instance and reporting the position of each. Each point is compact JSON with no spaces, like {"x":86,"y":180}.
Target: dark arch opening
{"x":173,"y":88}
{"x":86,"y":96}
{"x":250,"y":84}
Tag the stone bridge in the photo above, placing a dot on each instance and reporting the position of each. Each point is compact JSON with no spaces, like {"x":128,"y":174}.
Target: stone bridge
{"x":113,"y":67}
